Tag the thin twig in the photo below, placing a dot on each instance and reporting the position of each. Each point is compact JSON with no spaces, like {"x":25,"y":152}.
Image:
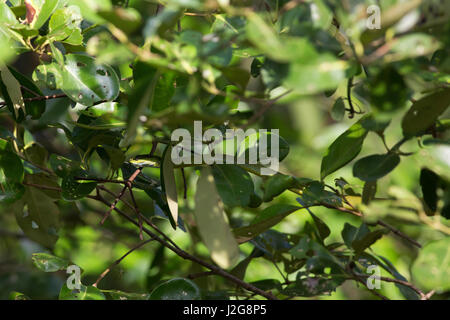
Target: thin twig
{"x":54,"y":96}
{"x":400,"y":282}
{"x":120,"y":195}
{"x":115,"y":263}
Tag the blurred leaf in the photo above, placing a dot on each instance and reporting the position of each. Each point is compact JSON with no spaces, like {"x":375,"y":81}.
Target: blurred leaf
{"x":369,"y":191}
{"x":430,"y":269}
{"x":176,"y":289}
{"x":126,"y":19}
{"x":168,"y":184}
{"x":39,"y":220}
{"x":374,"y":167}
{"x":387,"y":90}
{"x":338,"y":110}
{"x":49,"y":263}
{"x":424,"y":112}
{"x":211,"y":222}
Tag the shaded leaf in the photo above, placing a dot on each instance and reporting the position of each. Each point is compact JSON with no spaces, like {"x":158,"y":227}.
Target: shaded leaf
{"x":374,"y":167}
{"x":234,"y":184}
{"x":176,"y":289}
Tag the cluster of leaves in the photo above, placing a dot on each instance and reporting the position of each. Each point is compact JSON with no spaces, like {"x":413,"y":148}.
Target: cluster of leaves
{"x":93,"y":89}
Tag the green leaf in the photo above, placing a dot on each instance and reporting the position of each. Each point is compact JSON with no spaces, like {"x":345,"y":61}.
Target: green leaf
{"x":18,"y":296}
{"x":414,"y":45}
{"x":431,"y":269}
{"x":168,"y":185}
{"x":36,"y":154}
{"x":252,"y":143}
{"x":351,"y":233}
{"x":369,"y":191}
{"x":429,"y":182}
{"x":160,"y":23}
{"x":87,"y":82}
{"x":344,"y":149}
{"x":387,"y":90}
{"x":29,"y":90}
{"x":424,"y":113}
{"x":321,"y":226}
{"x":11,"y":192}
{"x":265,"y":38}
{"x":211,"y":222}
{"x":39,"y":220}
{"x":60,"y":165}
{"x":44,"y":9}
{"x":367,"y":240}
{"x":12,"y":166}
{"x":141,"y":98}
{"x":277,"y":184}
{"x":374,"y":167}
{"x":120,"y":295}
{"x":41,"y":179}
{"x":311,"y":286}
{"x":176,"y":289}
{"x":10,"y":88}
{"x":315,"y":194}
{"x":315,"y":74}
{"x":234,"y":184}
{"x":338,"y":110}
{"x":126,"y":19}
{"x":360,"y":238}
{"x":73,"y":189}
{"x":85,"y":293}
{"x":64,"y":26}
{"x":264,"y":221}
{"x":49,"y":263}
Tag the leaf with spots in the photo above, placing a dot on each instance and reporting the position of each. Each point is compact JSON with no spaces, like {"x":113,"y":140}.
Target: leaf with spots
{"x":85,"y":81}
{"x":38,"y":217}
{"x":73,"y":189}
{"x":48,"y":263}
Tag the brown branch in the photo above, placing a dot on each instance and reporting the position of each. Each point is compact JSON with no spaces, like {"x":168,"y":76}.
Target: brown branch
{"x":183,"y":254}
{"x":398,"y":233}
{"x":422,"y":295}
{"x":54,"y":96}
{"x":120,"y":195}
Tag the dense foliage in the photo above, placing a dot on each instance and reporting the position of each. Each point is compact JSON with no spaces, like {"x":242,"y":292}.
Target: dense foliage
{"x":93,"y":89}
